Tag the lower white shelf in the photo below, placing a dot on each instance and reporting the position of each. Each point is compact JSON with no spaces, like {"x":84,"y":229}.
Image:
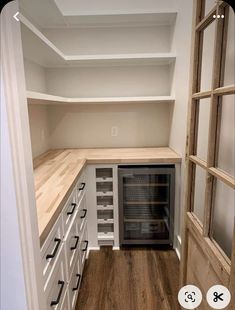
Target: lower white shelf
{"x":105,"y":221}
{"x":41,"y":98}
{"x":105,"y":236}
{"x":106,"y":207}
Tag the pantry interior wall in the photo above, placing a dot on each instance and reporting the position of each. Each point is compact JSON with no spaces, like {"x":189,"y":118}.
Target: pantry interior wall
{"x":139,"y":125}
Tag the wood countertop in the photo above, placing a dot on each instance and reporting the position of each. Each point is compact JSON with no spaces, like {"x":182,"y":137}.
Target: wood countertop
{"x":57,"y":171}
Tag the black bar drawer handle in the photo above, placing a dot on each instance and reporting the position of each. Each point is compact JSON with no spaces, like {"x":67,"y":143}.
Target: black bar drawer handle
{"x":76,"y":243}
{"x":86,"y":241}
{"x":74,"y":206}
{"x":77,"y":286}
{"x":55,"y":302}
{"x":53,"y":254}
{"x":83,"y":184}
{"x":84,"y":215}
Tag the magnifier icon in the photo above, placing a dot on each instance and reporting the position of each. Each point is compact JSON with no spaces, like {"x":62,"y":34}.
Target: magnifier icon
{"x":189,"y":297}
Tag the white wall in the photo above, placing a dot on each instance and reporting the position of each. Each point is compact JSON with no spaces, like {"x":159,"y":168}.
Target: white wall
{"x":139,"y":125}
{"x":111,"y":40}
{"x":39,"y":128}
{"x":109,"y":81}
{"x":35,"y":76}
{"x":180,"y":87}
{"x":11,"y":269}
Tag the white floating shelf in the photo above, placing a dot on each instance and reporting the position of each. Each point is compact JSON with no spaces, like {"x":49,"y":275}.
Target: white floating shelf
{"x":105,"y":236}
{"x":42,"y":51}
{"x":102,"y":180}
{"x":98,"y":194}
{"x":102,"y":208}
{"x":105,"y":221}
{"x":41,"y":98}
{"x":127,"y":19}
{"x":121,"y":59}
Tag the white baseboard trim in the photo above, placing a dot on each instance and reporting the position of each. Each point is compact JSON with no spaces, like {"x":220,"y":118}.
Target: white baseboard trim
{"x":94,"y":248}
{"x":177,"y":245}
{"x":116,"y":248}
{"x":179,"y":239}
{"x":177,"y":253}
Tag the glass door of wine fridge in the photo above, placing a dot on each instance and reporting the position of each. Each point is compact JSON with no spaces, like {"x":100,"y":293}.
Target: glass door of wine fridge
{"x":146,"y":204}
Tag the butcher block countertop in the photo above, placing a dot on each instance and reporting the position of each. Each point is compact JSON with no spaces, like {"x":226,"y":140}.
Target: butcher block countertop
{"x":57,"y":171}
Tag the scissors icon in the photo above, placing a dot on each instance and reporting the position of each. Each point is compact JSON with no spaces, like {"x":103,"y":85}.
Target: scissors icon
{"x":218,"y":297}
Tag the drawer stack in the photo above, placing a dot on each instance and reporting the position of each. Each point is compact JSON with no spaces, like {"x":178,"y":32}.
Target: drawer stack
{"x":64,"y":252}
{"x":105,"y":205}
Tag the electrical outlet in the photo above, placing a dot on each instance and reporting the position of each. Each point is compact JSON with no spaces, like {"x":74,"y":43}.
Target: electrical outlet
{"x":114,"y":131}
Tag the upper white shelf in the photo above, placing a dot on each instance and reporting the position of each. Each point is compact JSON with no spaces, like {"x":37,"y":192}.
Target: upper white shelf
{"x":42,"y":51}
{"x":122,"y":59}
{"x":120,"y":20}
{"x":41,"y":98}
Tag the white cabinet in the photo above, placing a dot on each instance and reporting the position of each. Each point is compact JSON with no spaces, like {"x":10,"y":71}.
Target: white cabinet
{"x":69,"y":212}
{"x":74,"y":285}
{"x":72,"y":245}
{"x":83,"y":246}
{"x":65,"y":304}
{"x":103,"y":227}
{"x":57,"y":285}
{"x":51,"y":249}
{"x":64,"y":251}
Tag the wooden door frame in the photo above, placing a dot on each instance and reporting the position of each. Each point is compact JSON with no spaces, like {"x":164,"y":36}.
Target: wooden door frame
{"x":12,"y":70}
{"x":221,"y":265}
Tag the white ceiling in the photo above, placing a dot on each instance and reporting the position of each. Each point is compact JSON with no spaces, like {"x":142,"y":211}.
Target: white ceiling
{"x":67,"y":13}
{"x":103,"y":7}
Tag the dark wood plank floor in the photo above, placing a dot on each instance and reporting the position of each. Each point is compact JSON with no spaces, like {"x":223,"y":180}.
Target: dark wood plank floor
{"x":130,"y":279}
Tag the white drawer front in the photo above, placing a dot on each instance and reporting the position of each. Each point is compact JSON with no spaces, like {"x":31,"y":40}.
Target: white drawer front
{"x":74,"y":285}
{"x":51,"y":249}
{"x":83,"y":246}
{"x":72,"y":245}
{"x":57,"y":285}
{"x":69,"y":212}
{"x":80,"y":187}
{"x":82,"y":213}
{"x":65,"y":305}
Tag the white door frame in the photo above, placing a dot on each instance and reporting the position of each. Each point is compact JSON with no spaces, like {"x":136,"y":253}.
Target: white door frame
{"x":12,"y":72}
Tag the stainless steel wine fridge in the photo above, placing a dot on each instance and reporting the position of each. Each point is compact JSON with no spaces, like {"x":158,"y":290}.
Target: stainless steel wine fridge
{"x":146,"y":204}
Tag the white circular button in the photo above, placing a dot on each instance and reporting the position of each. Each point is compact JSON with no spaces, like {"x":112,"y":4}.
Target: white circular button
{"x":190,"y":297}
{"x":218,"y":297}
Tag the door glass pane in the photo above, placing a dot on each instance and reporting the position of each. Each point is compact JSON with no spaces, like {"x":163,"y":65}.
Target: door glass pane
{"x":209,"y":5}
{"x":207,"y":57}
{"x":146,"y":206}
{"x":223,"y":217}
{"x":203,"y":128}
{"x":226,"y":153}
{"x":229,"y":74}
{"x":199,"y":193}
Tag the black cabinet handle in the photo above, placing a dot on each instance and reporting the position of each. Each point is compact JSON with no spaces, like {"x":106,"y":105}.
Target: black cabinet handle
{"x":77,"y":286}
{"x":84,"y":215}
{"x":55,"y":302}
{"x":76,"y":243}
{"x":83,"y":184}
{"x":86,"y":241}
{"x":73,"y":209}
{"x":53,"y":254}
